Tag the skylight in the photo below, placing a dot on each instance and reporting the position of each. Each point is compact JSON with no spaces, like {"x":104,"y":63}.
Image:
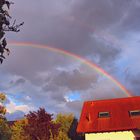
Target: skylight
{"x":134,"y":113}
{"x":104,"y":114}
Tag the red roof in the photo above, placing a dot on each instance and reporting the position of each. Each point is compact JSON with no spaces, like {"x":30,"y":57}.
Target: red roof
{"x":119,"y":118}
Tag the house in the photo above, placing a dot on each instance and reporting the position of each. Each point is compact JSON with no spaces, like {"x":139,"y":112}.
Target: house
{"x":113,"y":119}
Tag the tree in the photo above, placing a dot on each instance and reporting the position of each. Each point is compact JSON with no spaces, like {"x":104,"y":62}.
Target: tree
{"x":5,"y":25}
{"x":65,"y":121}
{"x":5,"y":132}
{"x":18,"y":132}
{"x":2,"y":107}
{"x":40,"y":125}
{"x":72,"y":132}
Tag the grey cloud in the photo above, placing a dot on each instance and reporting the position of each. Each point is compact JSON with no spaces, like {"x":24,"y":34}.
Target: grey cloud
{"x":18,"y":82}
{"x":100,"y":14}
{"x":77,"y":79}
{"x":131,"y":23}
{"x":15,"y":116}
{"x":72,"y":26}
{"x":28,"y":62}
{"x":68,"y":25}
{"x":54,"y":101}
{"x":133,"y":82}
{"x":74,"y":107}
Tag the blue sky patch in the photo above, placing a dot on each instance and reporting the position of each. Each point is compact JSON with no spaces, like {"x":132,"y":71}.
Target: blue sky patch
{"x":73,"y":96}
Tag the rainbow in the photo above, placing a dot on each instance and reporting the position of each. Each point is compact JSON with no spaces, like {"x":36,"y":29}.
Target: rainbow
{"x":81,"y":59}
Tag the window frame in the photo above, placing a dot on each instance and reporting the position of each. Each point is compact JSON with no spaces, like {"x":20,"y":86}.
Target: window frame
{"x":134,"y":113}
{"x":105,"y":114}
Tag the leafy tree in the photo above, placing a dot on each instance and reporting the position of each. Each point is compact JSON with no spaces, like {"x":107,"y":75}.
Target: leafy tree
{"x":2,"y":97}
{"x":5,"y":25}
{"x":2,"y":107}
{"x":61,"y":136}
{"x":40,"y":125}
{"x":18,"y":132}
{"x":72,"y":132}
{"x":5,"y":132}
{"x":65,"y":121}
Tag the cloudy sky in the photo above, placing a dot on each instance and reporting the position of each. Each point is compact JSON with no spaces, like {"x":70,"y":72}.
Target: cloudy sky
{"x":105,"y":32}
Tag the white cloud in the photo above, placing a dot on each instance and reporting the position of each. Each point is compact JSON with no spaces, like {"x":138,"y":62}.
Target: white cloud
{"x":28,"y":98}
{"x":12,"y":107}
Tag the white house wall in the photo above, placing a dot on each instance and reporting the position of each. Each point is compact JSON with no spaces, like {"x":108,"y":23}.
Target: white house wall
{"x":122,"y":135}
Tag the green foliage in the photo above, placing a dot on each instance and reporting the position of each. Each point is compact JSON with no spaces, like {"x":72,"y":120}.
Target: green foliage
{"x":2,"y":97}
{"x":72,"y":132}
{"x":18,"y":132}
{"x":38,"y":125}
{"x":66,"y":122}
{"x":5,"y":132}
{"x":2,"y":108}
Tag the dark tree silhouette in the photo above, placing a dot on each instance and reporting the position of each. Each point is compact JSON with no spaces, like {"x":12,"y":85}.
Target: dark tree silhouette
{"x":40,"y":125}
{"x":73,"y":135}
{"x":5,"y":25}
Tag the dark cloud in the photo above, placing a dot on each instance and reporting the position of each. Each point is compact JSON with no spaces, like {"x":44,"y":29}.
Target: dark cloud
{"x":130,"y":21}
{"x":75,"y":107}
{"x":133,"y":82}
{"x":69,"y":25}
{"x":93,"y":29}
{"x":75,"y":80}
{"x":100,"y":14}
{"x":18,"y":82}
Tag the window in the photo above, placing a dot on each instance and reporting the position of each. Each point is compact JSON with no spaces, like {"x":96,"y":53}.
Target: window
{"x":134,"y":113}
{"x":104,"y":114}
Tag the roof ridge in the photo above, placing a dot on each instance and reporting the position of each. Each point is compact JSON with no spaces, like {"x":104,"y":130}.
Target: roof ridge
{"x":112,"y":99}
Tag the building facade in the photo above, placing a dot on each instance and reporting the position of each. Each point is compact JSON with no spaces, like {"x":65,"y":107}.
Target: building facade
{"x":113,"y":119}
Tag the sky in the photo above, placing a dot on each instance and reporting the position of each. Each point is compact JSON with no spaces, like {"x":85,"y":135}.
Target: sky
{"x":106,"y":33}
